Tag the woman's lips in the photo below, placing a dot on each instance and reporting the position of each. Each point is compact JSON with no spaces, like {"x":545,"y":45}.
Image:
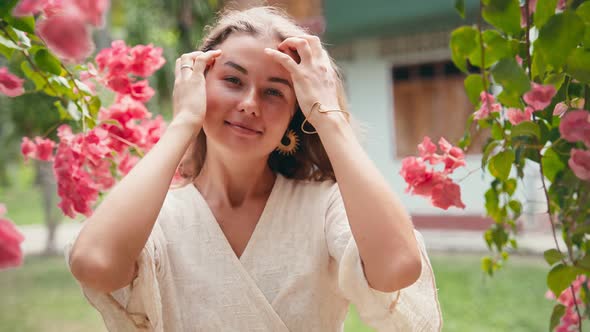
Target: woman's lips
{"x":242,"y":129}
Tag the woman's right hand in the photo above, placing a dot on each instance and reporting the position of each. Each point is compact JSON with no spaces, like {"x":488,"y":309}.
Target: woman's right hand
{"x":189,"y":98}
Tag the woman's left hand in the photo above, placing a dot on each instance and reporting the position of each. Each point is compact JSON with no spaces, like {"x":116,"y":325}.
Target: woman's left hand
{"x":314,"y":78}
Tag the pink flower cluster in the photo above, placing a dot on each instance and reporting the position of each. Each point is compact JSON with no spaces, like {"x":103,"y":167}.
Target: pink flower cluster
{"x":537,"y":99}
{"x":86,"y":164}
{"x":428,"y":182}
{"x":569,"y":321}
{"x":65,"y":27}
{"x":10,"y":85}
{"x":116,"y":63}
{"x":575,"y":127}
{"x":488,"y":105}
{"x":10,"y":239}
{"x":41,"y":149}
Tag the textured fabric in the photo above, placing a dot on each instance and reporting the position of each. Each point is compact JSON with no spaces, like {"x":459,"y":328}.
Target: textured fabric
{"x":299,"y":272}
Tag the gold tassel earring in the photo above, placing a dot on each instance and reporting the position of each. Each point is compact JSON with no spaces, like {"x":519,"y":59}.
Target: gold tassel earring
{"x":288,"y":149}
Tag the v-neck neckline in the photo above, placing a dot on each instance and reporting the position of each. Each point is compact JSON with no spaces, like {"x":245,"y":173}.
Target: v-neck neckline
{"x":266,"y":214}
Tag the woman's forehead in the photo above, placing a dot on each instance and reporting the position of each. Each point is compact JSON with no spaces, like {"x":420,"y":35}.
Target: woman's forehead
{"x":248,"y":52}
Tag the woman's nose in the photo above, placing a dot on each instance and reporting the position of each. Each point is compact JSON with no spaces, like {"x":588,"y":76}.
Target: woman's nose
{"x":249,"y":102}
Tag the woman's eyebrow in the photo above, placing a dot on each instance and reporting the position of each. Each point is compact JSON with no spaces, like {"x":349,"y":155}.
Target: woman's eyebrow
{"x":245,"y":72}
{"x":279,"y":80}
{"x":237,"y":67}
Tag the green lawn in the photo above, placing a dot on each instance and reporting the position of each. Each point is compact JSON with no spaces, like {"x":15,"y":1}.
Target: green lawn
{"x":42,"y":296}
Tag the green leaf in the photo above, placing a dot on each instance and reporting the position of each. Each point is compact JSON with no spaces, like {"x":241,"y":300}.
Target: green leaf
{"x":562,"y":32}
{"x":561,"y":277}
{"x":489,"y":148}
{"x":578,"y":65}
{"x":462,"y":44}
{"x":496,"y":48}
{"x":9,"y":43}
{"x":501,"y":164}
{"x":6,"y":7}
{"x":47,"y":62}
{"x":497,"y":131}
{"x":460,"y":7}
{"x":474,"y":86}
{"x":584,"y":263}
{"x":23,"y":38}
{"x":516,"y":207}
{"x":34,"y":76}
{"x":503,"y":14}
{"x":509,"y":186}
{"x":544,"y":10}
{"x":510,"y":99}
{"x":552,"y":164}
{"x":584,"y":12}
{"x":63,"y":113}
{"x":26,"y":24}
{"x":552,"y":256}
{"x":558,"y":312}
{"x":94,"y":106}
{"x":526,"y":128}
{"x":555,"y":79}
{"x":511,"y":76}
{"x":487,"y":265}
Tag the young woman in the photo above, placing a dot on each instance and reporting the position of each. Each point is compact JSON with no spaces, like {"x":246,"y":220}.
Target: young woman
{"x":284,"y":220}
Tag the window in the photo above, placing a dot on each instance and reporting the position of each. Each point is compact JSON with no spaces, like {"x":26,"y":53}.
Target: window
{"x":430,"y":100}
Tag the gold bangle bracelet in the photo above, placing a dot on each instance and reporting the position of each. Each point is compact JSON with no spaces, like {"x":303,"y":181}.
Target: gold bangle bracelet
{"x":317,"y":106}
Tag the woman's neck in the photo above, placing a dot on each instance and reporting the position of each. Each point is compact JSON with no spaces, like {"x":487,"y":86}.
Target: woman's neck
{"x":230,"y":183}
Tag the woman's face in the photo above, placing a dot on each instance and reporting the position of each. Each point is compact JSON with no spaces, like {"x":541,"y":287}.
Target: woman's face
{"x":250,"y":98}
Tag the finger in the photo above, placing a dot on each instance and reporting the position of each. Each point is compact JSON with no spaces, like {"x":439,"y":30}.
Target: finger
{"x":177,"y":70}
{"x":315,"y":44}
{"x":300,"y":45}
{"x":282,"y":58}
{"x":186,"y":60}
{"x":204,"y":60}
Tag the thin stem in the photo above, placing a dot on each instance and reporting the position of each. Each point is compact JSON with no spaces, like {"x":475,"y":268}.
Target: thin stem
{"x":528,"y":39}
{"x":483,"y":57}
{"x":586,"y":97}
{"x":468,"y":174}
{"x":570,"y":254}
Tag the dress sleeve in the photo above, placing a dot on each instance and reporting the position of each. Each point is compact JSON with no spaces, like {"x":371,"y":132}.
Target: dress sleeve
{"x":414,"y":308}
{"x":137,"y":306}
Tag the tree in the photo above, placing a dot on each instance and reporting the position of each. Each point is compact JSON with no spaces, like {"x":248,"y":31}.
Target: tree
{"x":532,"y":89}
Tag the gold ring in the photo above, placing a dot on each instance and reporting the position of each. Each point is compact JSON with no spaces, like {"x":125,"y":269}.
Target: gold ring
{"x":186,"y":66}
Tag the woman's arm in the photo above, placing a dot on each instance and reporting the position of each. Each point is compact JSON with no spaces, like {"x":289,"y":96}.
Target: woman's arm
{"x":380,"y":225}
{"x":104,"y":254}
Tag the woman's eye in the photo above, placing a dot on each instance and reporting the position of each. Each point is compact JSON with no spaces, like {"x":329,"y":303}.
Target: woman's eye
{"x":233,"y":80}
{"x":274,"y":92}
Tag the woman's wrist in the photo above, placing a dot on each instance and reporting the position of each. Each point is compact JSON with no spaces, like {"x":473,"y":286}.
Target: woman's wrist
{"x":187,"y":120}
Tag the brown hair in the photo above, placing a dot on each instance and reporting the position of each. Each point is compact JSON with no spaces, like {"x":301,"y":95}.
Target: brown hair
{"x":310,"y":161}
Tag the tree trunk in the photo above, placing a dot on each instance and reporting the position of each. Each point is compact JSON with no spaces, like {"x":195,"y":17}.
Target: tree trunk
{"x":51,"y":215}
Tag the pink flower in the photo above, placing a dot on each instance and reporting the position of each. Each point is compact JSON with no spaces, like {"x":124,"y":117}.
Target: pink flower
{"x":422,"y":181}
{"x":67,"y":36}
{"x":488,"y":106}
{"x":518,"y":60}
{"x":453,"y":157}
{"x":561,"y":4}
{"x":146,"y":59}
{"x":532,"y":8}
{"x":579,"y":162}
{"x":93,"y":11}
{"x":540,"y":96}
{"x":28,"y":7}
{"x":446,"y":194}
{"x":575,"y":126}
{"x":427,"y":151}
{"x":10,"y":239}
{"x":141,"y":91}
{"x":10,"y":85}
{"x":516,"y":116}
{"x":41,"y":149}
{"x":560,"y":108}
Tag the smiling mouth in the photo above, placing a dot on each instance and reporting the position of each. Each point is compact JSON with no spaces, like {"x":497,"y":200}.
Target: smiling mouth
{"x":242,"y":128}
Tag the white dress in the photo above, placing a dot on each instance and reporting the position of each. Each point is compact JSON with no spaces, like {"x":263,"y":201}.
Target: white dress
{"x":299,"y":272}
